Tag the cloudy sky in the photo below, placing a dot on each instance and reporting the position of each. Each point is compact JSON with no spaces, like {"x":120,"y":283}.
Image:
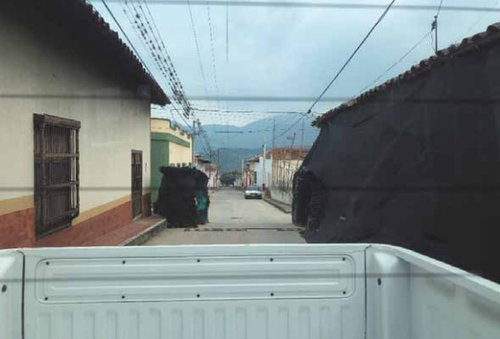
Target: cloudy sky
{"x":292,"y":52}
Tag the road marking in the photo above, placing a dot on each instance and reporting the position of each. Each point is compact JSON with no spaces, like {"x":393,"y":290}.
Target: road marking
{"x":244,"y":229}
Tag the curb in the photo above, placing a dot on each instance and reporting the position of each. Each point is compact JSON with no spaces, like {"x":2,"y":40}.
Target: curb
{"x":282,"y":207}
{"x":147,"y":234}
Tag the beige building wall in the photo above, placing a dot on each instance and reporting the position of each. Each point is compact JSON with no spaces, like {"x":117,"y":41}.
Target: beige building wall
{"x":178,"y":154}
{"x":38,"y":76}
{"x":165,"y":126}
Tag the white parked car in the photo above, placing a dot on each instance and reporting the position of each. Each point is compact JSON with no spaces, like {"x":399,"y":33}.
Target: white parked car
{"x":253,"y":192}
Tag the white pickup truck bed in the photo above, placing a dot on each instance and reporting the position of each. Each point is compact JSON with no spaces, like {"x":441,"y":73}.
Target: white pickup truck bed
{"x":242,"y":291}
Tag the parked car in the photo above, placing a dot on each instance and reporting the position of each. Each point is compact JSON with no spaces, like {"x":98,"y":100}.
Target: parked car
{"x":253,"y":192}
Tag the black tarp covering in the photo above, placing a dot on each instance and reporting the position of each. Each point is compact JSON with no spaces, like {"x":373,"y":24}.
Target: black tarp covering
{"x":418,"y":166}
{"x":176,"y":196}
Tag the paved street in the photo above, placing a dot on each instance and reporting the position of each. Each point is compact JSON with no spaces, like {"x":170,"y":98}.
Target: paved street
{"x":234,"y":220}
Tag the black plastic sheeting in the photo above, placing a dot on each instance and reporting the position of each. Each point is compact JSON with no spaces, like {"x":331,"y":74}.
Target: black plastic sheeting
{"x":176,"y":196}
{"x":416,"y":166}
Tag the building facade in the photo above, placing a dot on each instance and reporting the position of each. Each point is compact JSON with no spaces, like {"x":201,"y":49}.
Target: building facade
{"x":210,"y":169}
{"x":285,"y":163}
{"x":74,"y":130}
{"x":415,"y":161}
{"x":170,"y":146}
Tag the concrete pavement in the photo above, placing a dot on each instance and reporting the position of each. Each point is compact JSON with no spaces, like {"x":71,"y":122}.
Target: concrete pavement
{"x":234,"y":220}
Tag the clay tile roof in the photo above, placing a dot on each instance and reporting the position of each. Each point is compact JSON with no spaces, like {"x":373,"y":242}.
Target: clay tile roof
{"x":467,"y":45}
{"x":78,"y":22}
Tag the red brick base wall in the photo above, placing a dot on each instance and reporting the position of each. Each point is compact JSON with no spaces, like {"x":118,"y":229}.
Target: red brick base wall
{"x":17,"y":229}
{"x":90,"y":229}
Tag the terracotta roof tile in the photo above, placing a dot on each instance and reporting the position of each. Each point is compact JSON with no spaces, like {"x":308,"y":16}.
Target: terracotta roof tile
{"x":81,"y":23}
{"x":467,"y":45}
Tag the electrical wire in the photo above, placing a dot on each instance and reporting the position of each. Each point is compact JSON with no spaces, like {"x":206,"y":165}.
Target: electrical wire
{"x":318,"y":5}
{"x":200,"y":62}
{"x":126,"y":37}
{"x":352,"y":55}
{"x":195,"y":36}
{"x":227,"y":30}
{"x":479,"y":19}
{"x":162,"y":57}
{"x":396,"y":63}
{"x":245,"y":111}
{"x":439,"y":9}
{"x":137,"y":29}
{"x":288,"y":129}
{"x":214,"y":64}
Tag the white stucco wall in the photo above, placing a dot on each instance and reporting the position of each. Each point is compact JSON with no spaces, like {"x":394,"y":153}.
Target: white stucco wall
{"x":36,"y":76}
{"x":260,"y":171}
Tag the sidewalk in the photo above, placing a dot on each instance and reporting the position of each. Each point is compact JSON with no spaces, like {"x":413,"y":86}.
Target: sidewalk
{"x":285,"y":208}
{"x":135,"y":233}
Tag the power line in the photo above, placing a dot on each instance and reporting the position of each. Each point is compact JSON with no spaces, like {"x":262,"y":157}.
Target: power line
{"x":397,"y":62}
{"x":352,"y":55}
{"x":434,"y":26}
{"x":126,"y":36}
{"x":439,"y":9}
{"x":214,"y":65}
{"x":159,"y":57}
{"x":200,"y":62}
{"x":289,"y":128}
{"x":479,"y":19}
{"x":227,"y":30}
{"x":202,"y":71}
{"x":318,"y":5}
{"x":159,"y":51}
{"x":265,"y":98}
{"x":246,"y":111}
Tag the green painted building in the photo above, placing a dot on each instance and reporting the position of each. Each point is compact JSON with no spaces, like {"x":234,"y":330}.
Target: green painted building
{"x":170,"y":146}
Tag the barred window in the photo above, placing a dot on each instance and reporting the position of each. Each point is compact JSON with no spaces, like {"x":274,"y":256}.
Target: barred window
{"x":136,"y":183}
{"x":56,"y":172}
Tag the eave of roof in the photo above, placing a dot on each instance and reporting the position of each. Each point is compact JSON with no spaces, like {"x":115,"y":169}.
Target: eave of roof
{"x":79,"y":22}
{"x":467,"y":45}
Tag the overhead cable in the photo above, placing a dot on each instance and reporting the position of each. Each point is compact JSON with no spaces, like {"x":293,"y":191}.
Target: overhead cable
{"x":396,"y":63}
{"x":126,"y":36}
{"x":352,"y":55}
{"x":318,"y":5}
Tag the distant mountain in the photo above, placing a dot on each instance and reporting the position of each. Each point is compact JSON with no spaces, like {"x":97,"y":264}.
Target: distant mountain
{"x":244,"y":142}
{"x":252,"y":136}
{"x":230,"y":158}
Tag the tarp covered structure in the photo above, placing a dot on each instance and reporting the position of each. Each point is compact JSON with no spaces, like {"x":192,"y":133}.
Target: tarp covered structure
{"x":415,"y":162}
{"x":177,"y":193}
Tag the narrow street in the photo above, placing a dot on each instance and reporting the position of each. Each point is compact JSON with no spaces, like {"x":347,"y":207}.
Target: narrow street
{"x":234,"y":220}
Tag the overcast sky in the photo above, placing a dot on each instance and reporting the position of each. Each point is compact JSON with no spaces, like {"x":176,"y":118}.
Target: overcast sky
{"x":294,"y":52}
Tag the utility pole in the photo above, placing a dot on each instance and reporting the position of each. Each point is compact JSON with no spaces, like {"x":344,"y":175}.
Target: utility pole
{"x":192,"y":141}
{"x":242,"y":172}
{"x":274,"y":131}
{"x":293,"y":140}
{"x":264,"y":174}
{"x":302,"y":135}
{"x":435,"y":28}
{"x":436,"y":18}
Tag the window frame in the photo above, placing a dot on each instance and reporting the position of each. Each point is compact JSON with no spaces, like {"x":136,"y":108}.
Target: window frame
{"x":47,"y":173}
{"x":137,"y":176}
